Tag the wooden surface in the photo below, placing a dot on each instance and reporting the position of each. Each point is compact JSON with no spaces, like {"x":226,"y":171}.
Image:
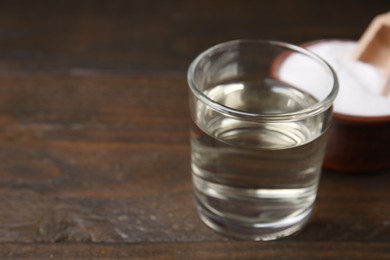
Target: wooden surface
{"x":94,"y":142}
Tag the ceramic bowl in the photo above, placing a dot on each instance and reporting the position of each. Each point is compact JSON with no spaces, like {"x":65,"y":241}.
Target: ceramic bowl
{"x":358,"y":144}
{"x":355,"y":143}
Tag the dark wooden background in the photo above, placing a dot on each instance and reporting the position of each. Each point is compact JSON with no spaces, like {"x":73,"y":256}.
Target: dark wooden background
{"x":94,"y":143}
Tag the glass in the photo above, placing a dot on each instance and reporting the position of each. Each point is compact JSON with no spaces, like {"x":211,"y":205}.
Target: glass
{"x":258,"y":135}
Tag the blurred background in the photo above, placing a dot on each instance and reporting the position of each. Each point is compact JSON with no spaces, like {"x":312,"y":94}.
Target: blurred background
{"x":146,"y":35}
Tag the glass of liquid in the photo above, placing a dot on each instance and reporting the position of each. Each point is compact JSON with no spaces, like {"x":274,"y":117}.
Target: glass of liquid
{"x":258,"y":136}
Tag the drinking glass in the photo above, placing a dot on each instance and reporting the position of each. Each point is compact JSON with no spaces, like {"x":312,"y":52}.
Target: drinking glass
{"x":258,"y":136}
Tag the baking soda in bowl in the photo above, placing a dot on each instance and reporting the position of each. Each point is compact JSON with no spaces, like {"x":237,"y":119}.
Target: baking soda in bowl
{"x":360,"y":83}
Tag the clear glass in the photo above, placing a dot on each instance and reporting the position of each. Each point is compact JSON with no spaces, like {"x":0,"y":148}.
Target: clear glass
{"x":258,"y":136}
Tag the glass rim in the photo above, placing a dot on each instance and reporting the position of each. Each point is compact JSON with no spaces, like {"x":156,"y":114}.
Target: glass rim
{"x":311,"y":110}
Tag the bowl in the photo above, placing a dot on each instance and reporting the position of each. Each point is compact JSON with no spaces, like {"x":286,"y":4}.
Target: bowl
{"x":356,"y":143}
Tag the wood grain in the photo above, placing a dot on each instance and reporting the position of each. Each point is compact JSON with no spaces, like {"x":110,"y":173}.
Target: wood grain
{"x":94,"y":131}
{"x":106,"y":159}
{"x":186,"y":250}
{"x":144,"y":35}
{"x":94,"y":159}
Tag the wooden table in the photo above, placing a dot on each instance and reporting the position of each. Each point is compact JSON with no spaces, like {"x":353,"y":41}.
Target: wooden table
{"x":94,"y":158}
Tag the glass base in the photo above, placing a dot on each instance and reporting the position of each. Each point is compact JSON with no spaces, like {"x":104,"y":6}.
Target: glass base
{"x":254,"y":231}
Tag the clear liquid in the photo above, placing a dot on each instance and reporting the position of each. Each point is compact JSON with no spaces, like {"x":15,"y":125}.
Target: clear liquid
{"x":256,"y":180}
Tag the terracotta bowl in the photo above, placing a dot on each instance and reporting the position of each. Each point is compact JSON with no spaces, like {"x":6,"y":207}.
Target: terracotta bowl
{"x":355,"y":143}
{"x":358,"y":144}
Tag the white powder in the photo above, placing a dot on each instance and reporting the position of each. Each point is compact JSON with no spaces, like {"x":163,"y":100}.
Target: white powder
{"x":360,"y":84}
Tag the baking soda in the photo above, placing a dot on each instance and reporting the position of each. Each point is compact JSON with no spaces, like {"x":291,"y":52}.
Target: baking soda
{"x":360,"y":84}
